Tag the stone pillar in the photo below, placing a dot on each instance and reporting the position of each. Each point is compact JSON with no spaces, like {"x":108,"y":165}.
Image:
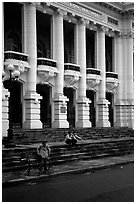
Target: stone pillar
{"x":103,"y":109}
{"x":32,"y":99}
{"x":124,"y":63}
{"x":60,"y":101}
{"x":82,"y":101}
{"x":130,"y":81}
{"x":5,"y":119}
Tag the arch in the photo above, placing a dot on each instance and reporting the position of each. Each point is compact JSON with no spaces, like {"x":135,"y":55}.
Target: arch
{"x":45,"y":106}
{"x":92,"y":96}
{"x":15,"y":102}
{"x":70,"y":93}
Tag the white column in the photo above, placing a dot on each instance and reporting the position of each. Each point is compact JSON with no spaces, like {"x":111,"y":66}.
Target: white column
{"x":60,"y":101}
{"x":119,"y":107}
{"x":5,"y":109}
{"x":5,"y":92}
{"x":76,"y":44}
{"x":124,"y":106}
{"x":130,"y":82}
{"x":130,"y":88}
{"x":103,"y":110}
{"x":82,"y":102}
{"x":32,"y":99}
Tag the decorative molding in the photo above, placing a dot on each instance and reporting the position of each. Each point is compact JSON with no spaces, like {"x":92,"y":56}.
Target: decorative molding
{"x":93,"y":78}
{"x":61,"y":12}
{"x":46,"y":69}
{"x":84,"y":21}
{"x":71,"y":74}
{"x":125,"y":34}
{"x":18,"y":60}
{"x":111,"y":84}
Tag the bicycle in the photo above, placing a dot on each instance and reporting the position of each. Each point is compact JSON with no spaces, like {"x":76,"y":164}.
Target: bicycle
{"x":32,"y":159}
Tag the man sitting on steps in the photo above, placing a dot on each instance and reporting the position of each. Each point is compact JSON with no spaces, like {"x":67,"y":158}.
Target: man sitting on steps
{"x":71,"y":138}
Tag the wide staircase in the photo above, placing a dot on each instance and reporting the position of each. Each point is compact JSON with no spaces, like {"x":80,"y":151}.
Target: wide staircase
{"x":95,"y":143}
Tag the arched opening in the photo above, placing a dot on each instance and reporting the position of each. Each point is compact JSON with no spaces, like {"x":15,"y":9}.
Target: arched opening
{"x":92,"y":96}
{"x":45,"y":105}
{"x":15,"y":102}
{"x":110,"y":98}
{"x":70,"y":93}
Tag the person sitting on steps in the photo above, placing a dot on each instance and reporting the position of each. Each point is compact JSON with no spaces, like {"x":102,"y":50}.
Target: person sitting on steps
{"x":71,"y":138}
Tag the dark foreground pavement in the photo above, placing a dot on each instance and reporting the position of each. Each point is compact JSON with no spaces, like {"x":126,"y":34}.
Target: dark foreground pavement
{"x":114,"y":184}
{"x":76,"y":167}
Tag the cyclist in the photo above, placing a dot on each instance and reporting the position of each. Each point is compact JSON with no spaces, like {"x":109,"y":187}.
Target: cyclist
{"x":43,"y":151}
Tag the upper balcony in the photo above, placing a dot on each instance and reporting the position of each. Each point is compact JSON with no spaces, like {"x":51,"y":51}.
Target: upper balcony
{"x":71,"y":73}
{"x":111,"y":81}
{"x":18,"y":59}
{"x":93,"y":77}
{"x":46,"y":68}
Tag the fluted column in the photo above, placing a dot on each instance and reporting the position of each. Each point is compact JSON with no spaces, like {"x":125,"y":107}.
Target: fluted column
{"x":60,"y":101}
{"x":32,"y":99}
{"x":83,"y":101}
{"x":103,"y":110}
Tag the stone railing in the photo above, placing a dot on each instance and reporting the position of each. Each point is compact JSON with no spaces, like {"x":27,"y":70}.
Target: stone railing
{"x":93,"y":71}
{"x":15,"y":55}
{"x":111,"y":75}
{"x":72,"y":67}
{"x":46,"y":62}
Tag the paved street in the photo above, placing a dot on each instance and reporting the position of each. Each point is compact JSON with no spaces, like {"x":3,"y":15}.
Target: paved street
{"x":112,"y":185}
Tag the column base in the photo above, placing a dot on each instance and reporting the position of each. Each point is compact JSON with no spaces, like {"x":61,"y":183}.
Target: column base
{"x":32,"y":106}
{"x":83,"y":113}
{"x":124,"y":114}
{"x":103,"y":113}
{"x":60,"y":112}
{"x":5,"y":110}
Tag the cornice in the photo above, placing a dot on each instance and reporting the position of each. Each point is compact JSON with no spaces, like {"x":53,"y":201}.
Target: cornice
{"x":119,"y":8}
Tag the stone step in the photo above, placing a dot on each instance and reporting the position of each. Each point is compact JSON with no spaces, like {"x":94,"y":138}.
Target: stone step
{"x":58,"y":135}
{"x":63,"y":153}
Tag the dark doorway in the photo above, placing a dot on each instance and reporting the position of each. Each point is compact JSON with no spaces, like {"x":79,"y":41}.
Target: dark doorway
{"x":16,"y":103}
{"x":110,"y":98}
{"x":91,"y":95}
{"x":70,"y":93}
{"x":45,"y":106}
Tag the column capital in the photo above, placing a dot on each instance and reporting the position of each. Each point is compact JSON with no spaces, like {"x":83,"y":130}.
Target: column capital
{"x":61,"y":12}
{"x":125,"y":34}
{"x":103,"y":28}
{"x":84,"y":21}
